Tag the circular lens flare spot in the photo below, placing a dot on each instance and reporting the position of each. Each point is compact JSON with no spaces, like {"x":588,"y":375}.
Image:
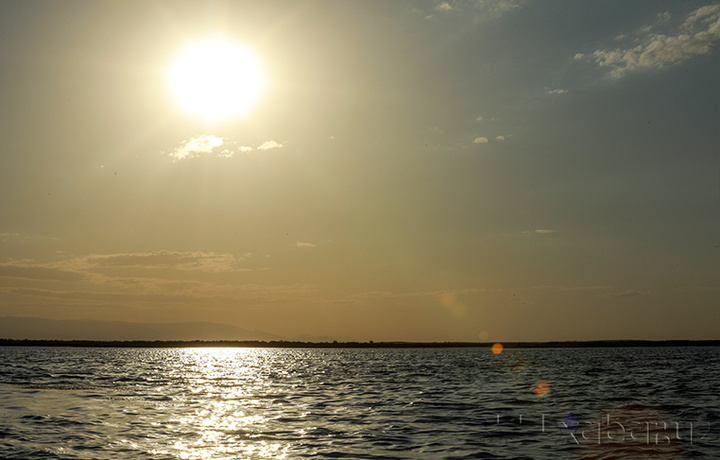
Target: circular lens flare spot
{"x":542,"y":389}
{"x":448,"y":299}
{"x":571,"y":420}
{"x":497,"y":348}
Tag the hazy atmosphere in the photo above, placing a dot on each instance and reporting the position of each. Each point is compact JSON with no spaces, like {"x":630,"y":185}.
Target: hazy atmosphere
{"x":364,"y":170}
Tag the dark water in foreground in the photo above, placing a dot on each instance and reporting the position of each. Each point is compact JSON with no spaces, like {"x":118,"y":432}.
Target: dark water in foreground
{"x":607,"y":403}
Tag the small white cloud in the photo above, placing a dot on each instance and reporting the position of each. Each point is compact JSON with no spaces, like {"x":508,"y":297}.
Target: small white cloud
{"x":479,"y":119}
{"x":541,"y":231}
{"x":480,"y":140}
{"x":269,"y":145}
{"x":555,"y":91}
{"x":499,"y":138}
{"x":304,"y":244}
{"x":444,"y":6}
{"x":245,"y":148}
{"x":197,"y":146}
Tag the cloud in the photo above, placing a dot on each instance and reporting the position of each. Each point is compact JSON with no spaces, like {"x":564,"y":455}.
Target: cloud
{"x":269,"y":145}
{"x":197,"y":146}
{"x":38,"y":272}
{"x":131,"y":292}
{"x":480,"y":140}
{"x":478,"y":10}
{"x":173,"y":260}
{"x":698,"y":35}
{"x":499,"y":138}
{"x":304,"y":244}
{"x":555,"y":91}
{"x":627,"y":294}
{"x":14,"y":236}
{"x":498,"y":7}
{"x":630,"y":293}
{"x":161,"y":279}
{"x":479,"y":119}
{"x":211,"y":146}
{"x":541,"y":231}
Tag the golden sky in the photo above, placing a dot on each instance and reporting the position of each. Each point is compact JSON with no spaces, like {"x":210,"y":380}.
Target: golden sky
{"x":375,"y":170}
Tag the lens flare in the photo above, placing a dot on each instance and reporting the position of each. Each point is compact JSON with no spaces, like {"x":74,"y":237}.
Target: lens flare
{"x":448,"y":299}
{"x":542,"y":389}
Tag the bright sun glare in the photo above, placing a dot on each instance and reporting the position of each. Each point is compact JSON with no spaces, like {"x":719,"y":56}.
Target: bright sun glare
{"x":216,"y":79}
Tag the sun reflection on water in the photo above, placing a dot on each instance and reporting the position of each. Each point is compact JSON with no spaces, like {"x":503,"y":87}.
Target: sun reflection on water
{"x":236,"y":417}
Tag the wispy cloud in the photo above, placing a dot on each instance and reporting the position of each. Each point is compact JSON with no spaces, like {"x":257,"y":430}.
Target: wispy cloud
{"x":499,"y":138}
{"x":180,"y":261}
{"x":698,"y":35}
{"x":499,"y":7}
{"x":480,"y":140}
{"x":630,"y":293}
{"x":478,"y":9}
{"x":131,"y":292}
{"x":15,"y":236}
{"x":269,"y":145}
{"x":540,"y":231}
{"x":160,"y":278}
{"x":482,"y":119}
{"x":32,"y":271}
{"x":305,"y":244}
{"x":197,"y":146}
{"x":555,"y":92}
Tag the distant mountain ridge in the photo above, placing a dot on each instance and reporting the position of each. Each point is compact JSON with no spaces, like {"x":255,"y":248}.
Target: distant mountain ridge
{"x":19,"y":327}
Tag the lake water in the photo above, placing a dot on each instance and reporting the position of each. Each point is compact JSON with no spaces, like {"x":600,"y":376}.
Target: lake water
{"x":439,"y":403}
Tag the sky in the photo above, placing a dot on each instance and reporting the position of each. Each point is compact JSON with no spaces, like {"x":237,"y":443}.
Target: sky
{"x":407,"y":170}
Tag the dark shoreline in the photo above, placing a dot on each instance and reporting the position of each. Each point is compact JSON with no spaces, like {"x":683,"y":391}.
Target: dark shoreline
{"x":291,"y":344}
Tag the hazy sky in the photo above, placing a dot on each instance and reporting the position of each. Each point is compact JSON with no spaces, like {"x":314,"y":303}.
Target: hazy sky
{"x":412,"y":170}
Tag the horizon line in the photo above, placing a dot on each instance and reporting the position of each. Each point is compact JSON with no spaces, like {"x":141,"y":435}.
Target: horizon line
{"x":353,"y":344}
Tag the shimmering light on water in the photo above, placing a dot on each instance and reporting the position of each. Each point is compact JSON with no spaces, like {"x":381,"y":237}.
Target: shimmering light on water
{"x":497,"y":348}
{"x":156,"y":404}
{"x":519,"y":367}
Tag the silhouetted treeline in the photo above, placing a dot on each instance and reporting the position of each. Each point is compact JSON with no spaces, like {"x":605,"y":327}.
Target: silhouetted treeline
{"x":370,"y":344}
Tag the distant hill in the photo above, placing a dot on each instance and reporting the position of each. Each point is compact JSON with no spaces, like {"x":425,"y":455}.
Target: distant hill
{"x":15,"y":327}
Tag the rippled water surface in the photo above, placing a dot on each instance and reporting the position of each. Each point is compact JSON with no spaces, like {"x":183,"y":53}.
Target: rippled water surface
{"x":605,"y":403}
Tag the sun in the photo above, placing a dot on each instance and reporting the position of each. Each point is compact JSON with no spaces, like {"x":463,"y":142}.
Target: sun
{"x":216,"y":79}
